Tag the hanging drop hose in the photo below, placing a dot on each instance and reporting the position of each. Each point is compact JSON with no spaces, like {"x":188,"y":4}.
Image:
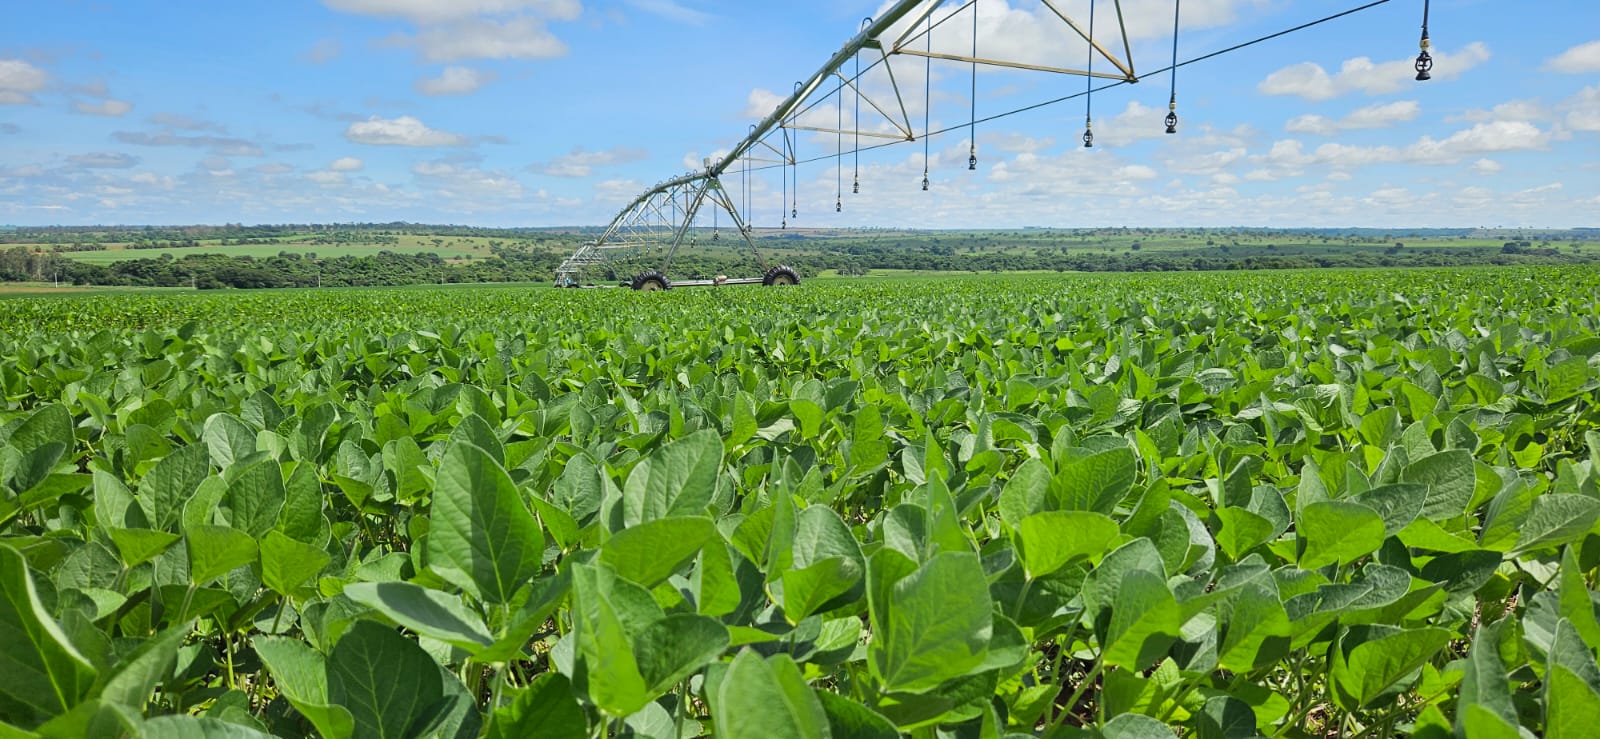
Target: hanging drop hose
{"x":1425,"y":60}
{"x":927,"y":101}
{"x":972,"y":125}
{"x":1172,"y":104}
{"x":838,"y":156}
{"x":794,"y":156}
{"x":1088,"y":90}
{"x":855,"y":186}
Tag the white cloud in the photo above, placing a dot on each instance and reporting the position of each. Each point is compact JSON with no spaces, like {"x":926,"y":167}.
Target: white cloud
{"x":19,"y":80}
{"x":104,"y":160}
{"x":108,"y":108}
{"x":1487,"y":167}
{"x":347,"y":164}
{"x":1580,"y":59}
{"x":672,"y":11}
{"x":1372,"y":116}
{"x":402,"y":131}
{"x":326,"y":178}
{"x":424,"y":12}
{"x":454,"y":81}
{"x":483,"y":38}
{"x":1484,"y":138}
{"x":581,"y":163}
{"x":1583,"y":110}
{"x":1310,"y":81}
{"x":1512,"y":110}
{"x":469,"y":188}
{"x":218,"y":144}
{"x":186,"y":123}
{"x":323,"y":51}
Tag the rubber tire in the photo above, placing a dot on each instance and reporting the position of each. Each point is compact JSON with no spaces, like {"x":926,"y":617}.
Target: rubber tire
{"x":780,"y":275}
{"x":651,"y":281}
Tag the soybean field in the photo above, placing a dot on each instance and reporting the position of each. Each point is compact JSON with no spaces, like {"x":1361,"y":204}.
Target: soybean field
{"x":1219,"y":505}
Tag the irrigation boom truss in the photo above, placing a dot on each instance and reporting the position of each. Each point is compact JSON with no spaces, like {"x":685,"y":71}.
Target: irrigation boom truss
{"x":658,"y":223}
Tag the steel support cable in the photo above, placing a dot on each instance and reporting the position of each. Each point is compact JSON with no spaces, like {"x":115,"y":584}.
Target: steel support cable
{"x":1120,"y":83}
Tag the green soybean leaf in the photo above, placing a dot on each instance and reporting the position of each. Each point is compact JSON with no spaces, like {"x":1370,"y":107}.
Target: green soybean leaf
{"x":228,"y":439}
{"x":1576,"y":600}
{"x":650,"y":552}
{"x":215,"y":551}
{"x":1338,"y":532}
{"x":385,"y":680}
{"x":138,"y":674}
{"x":169,"y":485}
{"x":481,"y":535}
{"x":1226,"y":717}
{"x":1144,"y":621}
{"x":934,"y":625}
{"x":1135,"y":726}
{"x":1398,"y":504}
{"x":1241,"y":531}
{"x":676,"y":480}
{"x":1557,"y":520}
{"x":427,"y":612}
{"x":1572,"y":686}
{"x":1485,"y":707}
{"x":767,"y":699}
{"x":199,"y":727}
{"x":255,"y":498}
{"x":138,"y":546}
{"x":287,"y":564}
{"x":1049,"y":541}
{"x":607,"y":611}
{"x":848,"y":719}
{"x":1369,"y":660}
{"x":546,"y":708}
{"x":671,"y":649}
{"x":1097,"y":482}
{"x":44,"y":674}
{"x":1026,"y":493}
{"x":301,"y":675}
{"x":1450,"y":478}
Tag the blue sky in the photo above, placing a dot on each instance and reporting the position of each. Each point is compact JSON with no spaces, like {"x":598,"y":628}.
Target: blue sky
{"x":557,"y":112}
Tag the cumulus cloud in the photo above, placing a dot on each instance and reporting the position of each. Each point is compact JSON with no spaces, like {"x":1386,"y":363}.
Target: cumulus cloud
{"x":1310,"y":81}
{"x":1580,"y":59}
{"x":347,"y":164}
{"x":455,"y":81}
{"x":468,"y":186}
{"x":523,"y":37}
{"x":1372,"y":116}
{"x":108,"y":108}
{"x":402,"y":131}
{"x":1487,"y":167}
{"x":581,"y":162}
{"x":19,"y":80}
{"x":1583,"y":110}
{"x":104,"y":160}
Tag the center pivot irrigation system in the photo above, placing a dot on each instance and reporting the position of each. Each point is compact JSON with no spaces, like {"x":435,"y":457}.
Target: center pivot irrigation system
{"x":638,"y":246}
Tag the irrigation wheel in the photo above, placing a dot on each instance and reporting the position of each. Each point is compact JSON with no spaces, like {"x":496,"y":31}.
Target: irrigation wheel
{"x":651,"y":281}
{"x":780,"y":275}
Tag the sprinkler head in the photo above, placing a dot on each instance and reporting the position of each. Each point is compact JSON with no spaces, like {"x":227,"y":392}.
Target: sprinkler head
{"x":855,"y":189}
{"x":924,"y":181}
{"x":794,"y":212}
{"x":1172,"y":123}
{"x":972,"y":162}
{"x":838,"y":206}
{"x":1424,"y":65}
{"x":1088,"y":138}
